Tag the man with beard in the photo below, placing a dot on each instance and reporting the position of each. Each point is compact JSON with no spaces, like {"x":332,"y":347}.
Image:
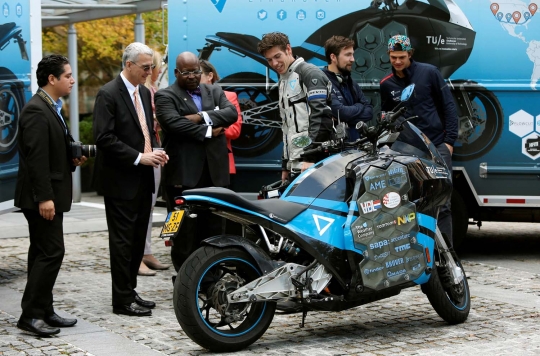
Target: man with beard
{"x":349,"y":104}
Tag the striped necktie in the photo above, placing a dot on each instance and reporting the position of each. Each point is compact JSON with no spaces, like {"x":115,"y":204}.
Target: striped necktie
{"x":142,"y":121}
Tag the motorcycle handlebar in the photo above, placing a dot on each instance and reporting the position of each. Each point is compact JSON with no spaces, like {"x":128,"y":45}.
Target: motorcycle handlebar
{"x":311,"y":151}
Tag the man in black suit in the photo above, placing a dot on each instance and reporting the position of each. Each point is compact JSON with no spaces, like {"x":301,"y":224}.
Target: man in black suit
{"x":124,"y":174}
{"x":192,"y":118}
{"x":44,"y":191}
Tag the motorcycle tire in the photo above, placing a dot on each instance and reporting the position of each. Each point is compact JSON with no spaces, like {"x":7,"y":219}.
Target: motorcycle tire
{"x":451,"y":302}
{"x":11,"y":102}
{"x":489,"y":110}
{"x":200,"y":299}
{"x":254,"y":140}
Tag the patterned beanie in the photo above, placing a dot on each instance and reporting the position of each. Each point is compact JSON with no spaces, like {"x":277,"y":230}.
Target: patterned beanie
{"x":404,"y":41}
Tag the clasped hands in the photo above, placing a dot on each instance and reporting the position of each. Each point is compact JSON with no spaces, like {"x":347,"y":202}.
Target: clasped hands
{"x":196,"y":119}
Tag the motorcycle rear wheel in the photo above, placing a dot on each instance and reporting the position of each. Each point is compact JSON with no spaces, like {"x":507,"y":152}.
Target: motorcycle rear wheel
{"x":452,"y":302}
{"x":200,"y":300}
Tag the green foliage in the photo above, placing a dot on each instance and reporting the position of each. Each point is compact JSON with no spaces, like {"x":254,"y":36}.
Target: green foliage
{"x":100,"y":44}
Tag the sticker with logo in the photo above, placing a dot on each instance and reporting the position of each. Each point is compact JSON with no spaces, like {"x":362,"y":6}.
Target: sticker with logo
{"x":391,"y":200}
{"x":395,"y":273}
{"x":396,"y":170}
{"x":367,"y":178}
{"x":400,"y":237}
{"x":438,"y":172}
{"x":364,"y":232}
{"x":381,"y":256}
{"x":402,"y":248}
{"x":405,"y":219}
{"x":414,"y":258}
{"x":368,"y":271}
{"x":394,"y":263}
{"x":381,"y":184}
{"x":378,"y":244}
{"x":370,"y":206}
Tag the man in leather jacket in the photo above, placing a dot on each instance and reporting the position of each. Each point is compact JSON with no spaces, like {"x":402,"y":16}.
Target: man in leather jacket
{"x":304,"y":95}
{"x":349,"y":104}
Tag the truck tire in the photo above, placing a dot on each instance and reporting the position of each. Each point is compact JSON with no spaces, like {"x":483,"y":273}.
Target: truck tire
{"x":460,"y":219}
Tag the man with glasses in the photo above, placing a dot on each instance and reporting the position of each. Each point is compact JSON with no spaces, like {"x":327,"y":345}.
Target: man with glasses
{"x":124,"y":174}
{"x":193,"y":117}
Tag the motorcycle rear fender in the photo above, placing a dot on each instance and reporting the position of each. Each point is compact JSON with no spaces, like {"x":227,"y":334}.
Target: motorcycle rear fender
{"x":264,"y":262}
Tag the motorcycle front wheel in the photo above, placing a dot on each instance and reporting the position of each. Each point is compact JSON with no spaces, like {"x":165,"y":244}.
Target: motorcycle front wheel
{"x":200,"y":300}
{"x":452,"y":302}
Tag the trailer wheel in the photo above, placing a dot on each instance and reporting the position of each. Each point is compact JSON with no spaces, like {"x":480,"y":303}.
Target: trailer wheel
{"x":11,"y":103}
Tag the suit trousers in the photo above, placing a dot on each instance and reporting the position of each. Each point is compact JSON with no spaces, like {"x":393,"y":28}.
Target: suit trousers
{"x":127,"y":221}
{"x":444,"y":221}
{"x":45,"y":256}
{"x":193,"y":231}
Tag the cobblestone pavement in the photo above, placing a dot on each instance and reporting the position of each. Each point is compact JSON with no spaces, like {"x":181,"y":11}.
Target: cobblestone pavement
{"x":404,"y":325}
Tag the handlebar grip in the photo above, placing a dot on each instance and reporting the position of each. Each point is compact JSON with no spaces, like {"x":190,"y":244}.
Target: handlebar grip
{"x":311,"y":151}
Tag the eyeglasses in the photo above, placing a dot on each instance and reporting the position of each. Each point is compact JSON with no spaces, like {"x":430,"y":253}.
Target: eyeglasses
{"x":187,"y":74}
{"x":146,"y":68}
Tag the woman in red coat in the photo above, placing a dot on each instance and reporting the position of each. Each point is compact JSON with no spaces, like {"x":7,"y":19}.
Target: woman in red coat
{"x":210,"y":76}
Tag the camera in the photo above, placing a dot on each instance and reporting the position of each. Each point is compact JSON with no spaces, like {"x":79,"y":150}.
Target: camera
{"x":78,"y":150}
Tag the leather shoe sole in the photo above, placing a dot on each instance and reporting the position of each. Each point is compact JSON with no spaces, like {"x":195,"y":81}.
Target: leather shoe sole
{"x":37,"y":326}
{"x":144,"y":303}
{"x":58,"y":321}
{"x":132,"y":309}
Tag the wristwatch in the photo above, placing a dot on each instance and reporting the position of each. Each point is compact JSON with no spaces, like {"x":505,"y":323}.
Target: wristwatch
{"x":201,"y":115}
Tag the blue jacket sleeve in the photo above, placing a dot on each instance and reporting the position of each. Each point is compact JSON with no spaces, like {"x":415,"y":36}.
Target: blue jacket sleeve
{"x":448,"y":108}
{"x":351,"y":114}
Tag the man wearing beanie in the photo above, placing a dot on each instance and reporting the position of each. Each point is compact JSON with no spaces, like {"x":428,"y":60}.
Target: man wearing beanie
{"x":432,"y":102}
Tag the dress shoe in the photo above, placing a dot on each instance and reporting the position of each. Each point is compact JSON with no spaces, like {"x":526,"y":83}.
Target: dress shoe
{"x":144,"y":303}
{"x":132,"y":309}
{"x":58,"y":321}
{"x":37,"y":326}
{"x":153,"y":263}
{"x":145,"y":271}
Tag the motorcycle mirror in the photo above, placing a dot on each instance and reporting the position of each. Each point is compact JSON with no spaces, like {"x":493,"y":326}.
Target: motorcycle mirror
{"x":301,"y":141}
{"x":407,"y":92}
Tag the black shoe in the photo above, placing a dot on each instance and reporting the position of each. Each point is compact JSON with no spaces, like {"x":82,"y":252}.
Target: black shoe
{"x":58,"y":321}
{"x":144,"y":303}
{"x":37,"y":326}
{"x":132,"y":309}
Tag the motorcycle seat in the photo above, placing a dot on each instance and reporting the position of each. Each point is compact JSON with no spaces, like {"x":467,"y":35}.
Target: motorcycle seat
{"x":278,"y":210}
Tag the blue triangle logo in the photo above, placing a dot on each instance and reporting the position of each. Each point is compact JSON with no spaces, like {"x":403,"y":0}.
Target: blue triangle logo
{"x":219,"y":4}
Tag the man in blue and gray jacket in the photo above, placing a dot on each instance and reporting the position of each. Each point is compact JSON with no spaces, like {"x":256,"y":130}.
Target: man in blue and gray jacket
{"x":432,"y":102}
{"x":349,"y":103}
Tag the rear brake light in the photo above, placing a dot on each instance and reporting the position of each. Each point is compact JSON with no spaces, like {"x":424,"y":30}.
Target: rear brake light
{"x":168,"y":243}
{"x":179,"y":201}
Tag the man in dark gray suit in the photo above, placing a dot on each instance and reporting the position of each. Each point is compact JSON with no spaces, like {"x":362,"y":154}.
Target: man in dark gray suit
{"x":192,"y":118}
{"x":124,"y":137}
{"x":43,"y":191}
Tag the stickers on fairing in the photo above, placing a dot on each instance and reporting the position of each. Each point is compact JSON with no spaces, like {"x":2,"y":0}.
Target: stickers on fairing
{"x":386,"y":229}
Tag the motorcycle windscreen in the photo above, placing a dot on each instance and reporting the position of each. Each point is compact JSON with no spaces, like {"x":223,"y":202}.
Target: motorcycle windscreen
{"x":412,"y":141}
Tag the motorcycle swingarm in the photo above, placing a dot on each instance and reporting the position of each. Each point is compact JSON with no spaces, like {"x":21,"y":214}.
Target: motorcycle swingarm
{"x":284,"y":282}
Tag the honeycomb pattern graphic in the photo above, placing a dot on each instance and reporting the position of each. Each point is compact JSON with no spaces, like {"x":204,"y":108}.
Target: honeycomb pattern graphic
{"x":372,"y":62}
{"x":386,"y":229}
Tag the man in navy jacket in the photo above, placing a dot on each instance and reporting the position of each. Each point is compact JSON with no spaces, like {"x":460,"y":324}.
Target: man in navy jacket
{"x":432,"y":102}
{"x":349,"y":104}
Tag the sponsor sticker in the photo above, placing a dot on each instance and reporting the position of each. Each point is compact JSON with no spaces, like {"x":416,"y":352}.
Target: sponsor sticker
{"x":405,"y":219}
{"x":391,"y":200}
{"x":372,"y":270}
{"x":370,"y":206}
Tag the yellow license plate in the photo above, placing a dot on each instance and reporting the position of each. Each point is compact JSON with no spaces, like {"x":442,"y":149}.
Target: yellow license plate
{"x":172,"y":225}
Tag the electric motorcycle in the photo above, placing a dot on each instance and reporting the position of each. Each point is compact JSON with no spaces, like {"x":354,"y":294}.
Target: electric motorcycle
{"x":429,"y":25}
{"x":355,"y":228}
{"x":12,"y":97}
